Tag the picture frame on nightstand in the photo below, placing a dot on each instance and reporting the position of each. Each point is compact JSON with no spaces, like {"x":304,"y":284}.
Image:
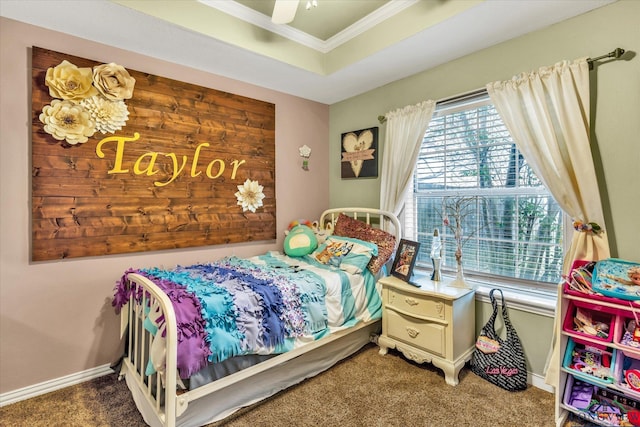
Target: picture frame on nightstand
{"x":405,"y":259}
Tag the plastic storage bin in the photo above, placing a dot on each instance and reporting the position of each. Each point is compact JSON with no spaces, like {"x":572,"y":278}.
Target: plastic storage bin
{"x":599,"y":405}
{"x":590,"y":321}
{"x":627,"y":374}
{"x":627,"y":334}
{"x":617,"y":278}
{"x":591,"y":362}
{"x":587,"y":286}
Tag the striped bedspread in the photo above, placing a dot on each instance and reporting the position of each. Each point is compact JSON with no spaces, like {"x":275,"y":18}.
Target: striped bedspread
{"x":266,"y":304}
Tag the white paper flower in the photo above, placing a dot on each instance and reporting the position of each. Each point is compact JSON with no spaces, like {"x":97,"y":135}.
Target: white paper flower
{"x":305,"y":151}
{"x":67,"y":121}
{"x":250,"y":195}
{"x":109,"y":116}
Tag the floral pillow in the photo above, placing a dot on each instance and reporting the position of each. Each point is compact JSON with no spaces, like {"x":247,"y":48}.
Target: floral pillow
{"x":350,"y":255}
{"x":386,"y":242}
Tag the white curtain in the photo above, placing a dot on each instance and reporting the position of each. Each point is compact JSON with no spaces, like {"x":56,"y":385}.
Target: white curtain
{"x":405,"y":129}
{"x":547,"y":113}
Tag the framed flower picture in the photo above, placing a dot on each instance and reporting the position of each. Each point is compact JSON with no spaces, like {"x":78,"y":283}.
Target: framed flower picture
{"x":405,"y":259}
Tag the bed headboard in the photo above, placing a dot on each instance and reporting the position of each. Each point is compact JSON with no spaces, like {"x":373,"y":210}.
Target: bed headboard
{"x":375,"y":217}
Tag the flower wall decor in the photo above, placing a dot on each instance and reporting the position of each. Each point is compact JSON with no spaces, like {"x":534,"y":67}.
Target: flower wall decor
{"x":126,"y":161}
{"x":305,"y":153}
{"x":250,"y":195}
{"x":86,"y":101}
{"x":67,"y":121}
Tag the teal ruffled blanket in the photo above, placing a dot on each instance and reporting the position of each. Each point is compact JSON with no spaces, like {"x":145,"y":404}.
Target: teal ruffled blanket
{"x":260,"y":305}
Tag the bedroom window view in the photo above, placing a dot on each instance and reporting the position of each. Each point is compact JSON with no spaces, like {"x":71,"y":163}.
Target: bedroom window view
{"x":512,"y":227}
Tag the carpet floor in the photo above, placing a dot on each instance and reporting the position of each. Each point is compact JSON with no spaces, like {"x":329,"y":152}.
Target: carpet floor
{"x":365,"y":389}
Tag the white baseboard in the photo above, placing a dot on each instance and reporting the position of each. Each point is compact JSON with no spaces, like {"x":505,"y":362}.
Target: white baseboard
{"x":52,"y":385}
{"x":539,"y":382}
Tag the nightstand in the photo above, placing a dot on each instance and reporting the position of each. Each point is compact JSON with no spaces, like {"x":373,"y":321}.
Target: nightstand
{"x":432,"y":323}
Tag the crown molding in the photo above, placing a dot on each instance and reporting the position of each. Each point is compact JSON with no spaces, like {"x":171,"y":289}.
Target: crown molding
{"x":371,"y":20}
{"x":258,"y":19}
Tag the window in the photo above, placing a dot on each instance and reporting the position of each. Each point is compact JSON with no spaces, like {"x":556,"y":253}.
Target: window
{"x":513,"y":225}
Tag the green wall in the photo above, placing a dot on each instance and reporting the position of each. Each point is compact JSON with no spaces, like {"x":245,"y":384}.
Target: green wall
{"x":615,"y":125}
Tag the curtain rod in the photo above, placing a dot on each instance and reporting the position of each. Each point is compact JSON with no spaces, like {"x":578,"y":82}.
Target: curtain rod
{"x":616,"y":53}
{"x":441,"y":101}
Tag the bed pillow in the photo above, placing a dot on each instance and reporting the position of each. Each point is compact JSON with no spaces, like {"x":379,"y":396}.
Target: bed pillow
{"x":350,"y":255}
{"x":386,"y":242}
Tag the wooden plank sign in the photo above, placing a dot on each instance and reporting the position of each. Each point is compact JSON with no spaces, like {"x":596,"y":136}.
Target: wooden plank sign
{"x":159,"y":167}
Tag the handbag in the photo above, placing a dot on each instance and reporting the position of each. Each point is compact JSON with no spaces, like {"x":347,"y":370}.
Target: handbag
{"x":501,"y":362}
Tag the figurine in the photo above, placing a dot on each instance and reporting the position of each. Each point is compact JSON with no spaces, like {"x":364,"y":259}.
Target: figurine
{"x":436,"y":255}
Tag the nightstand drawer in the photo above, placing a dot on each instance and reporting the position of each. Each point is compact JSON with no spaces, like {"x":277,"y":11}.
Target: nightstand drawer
{"x":418,"y":333}
{"x":413,"y":303}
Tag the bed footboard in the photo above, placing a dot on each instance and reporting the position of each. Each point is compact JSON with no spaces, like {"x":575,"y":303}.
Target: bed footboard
{"x":155,"y":395}
{"x":159,"y":388}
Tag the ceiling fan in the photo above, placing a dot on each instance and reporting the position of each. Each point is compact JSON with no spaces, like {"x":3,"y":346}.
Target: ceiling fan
{"x":285,"y":10}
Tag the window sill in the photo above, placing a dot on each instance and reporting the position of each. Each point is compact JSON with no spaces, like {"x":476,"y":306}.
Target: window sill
{"x":542,"y":303}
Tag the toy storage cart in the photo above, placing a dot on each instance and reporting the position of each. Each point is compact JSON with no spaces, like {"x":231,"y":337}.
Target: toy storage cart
{"x":600,"y":359}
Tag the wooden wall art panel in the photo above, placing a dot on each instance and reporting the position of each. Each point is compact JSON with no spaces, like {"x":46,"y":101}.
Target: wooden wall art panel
{"x":167,"y":177}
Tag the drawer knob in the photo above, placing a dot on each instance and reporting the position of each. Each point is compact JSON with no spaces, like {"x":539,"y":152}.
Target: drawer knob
{"x":411,"y":301}
{"x":412,"y":332}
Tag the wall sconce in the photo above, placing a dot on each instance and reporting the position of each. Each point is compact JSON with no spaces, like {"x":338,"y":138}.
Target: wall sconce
{"x":305,"y":153}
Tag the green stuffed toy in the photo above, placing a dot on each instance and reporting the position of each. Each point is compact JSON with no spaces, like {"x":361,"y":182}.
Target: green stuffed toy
{"x":300,"y":240}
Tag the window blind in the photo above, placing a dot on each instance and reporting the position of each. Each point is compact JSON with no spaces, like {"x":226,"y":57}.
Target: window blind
{"x":514,"y":227}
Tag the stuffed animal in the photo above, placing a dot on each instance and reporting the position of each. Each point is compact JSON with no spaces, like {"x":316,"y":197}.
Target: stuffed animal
{"x":322,"y":233}
{"x":300,"y":240}
{"x":298,"y":222}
